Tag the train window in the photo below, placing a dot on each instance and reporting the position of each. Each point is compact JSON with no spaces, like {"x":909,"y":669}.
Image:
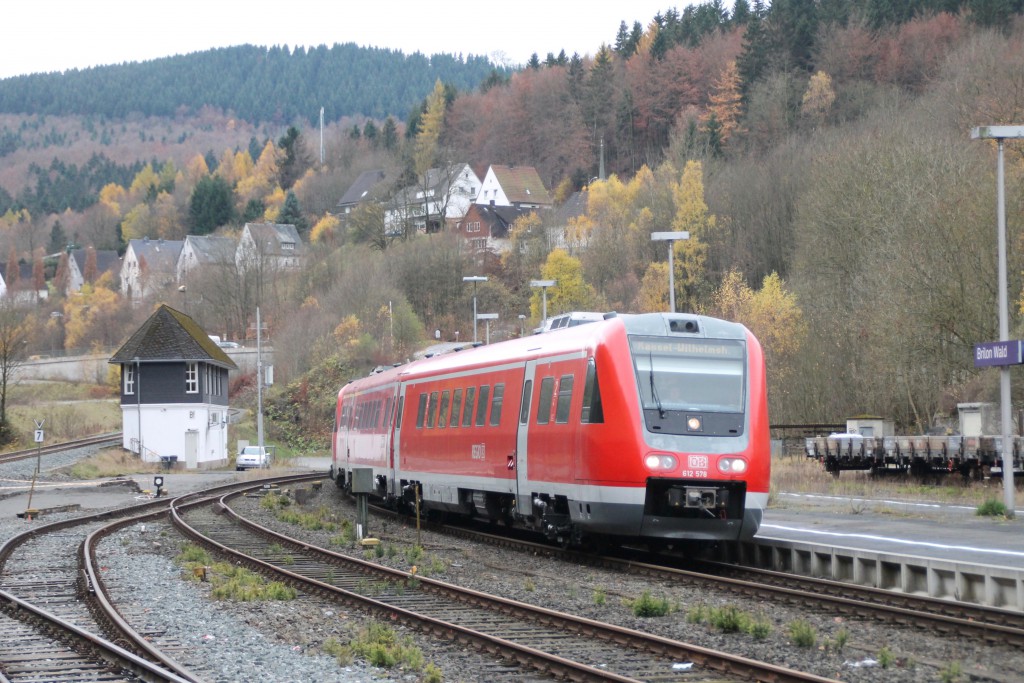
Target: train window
{"x":398,"y":413}
{"x":421,"y":412}
{"x":524,"y":411}
{"x":481,"y":405}
{"x":564,"y":399}
{"x":442,"y":417}
{"x":592,"y":412}
{"x":467,"y":412}
{"x":375,"y":414}
{"x":547,"y":387}
{"x":432,"y":410}
{"x":496,"y":400}
{"x":387,"y":411}
{"x":456,"y":407}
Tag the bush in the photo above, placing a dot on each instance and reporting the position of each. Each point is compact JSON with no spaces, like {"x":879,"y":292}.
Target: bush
{"x":647,"y":606}
{"x":802,"y":634}
{"x":991,"y":508}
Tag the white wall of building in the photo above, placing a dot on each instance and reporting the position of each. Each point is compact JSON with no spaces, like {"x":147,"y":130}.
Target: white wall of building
{"x":195,"y":432}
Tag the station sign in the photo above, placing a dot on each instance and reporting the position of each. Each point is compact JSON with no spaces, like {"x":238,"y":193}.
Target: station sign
{"x":998,"y":353}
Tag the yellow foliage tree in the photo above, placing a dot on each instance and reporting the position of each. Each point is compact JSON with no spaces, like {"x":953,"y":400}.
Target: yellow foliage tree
{"x":772,"y":313}
{"x":690,"y":255}
{"x":326,"y":229}
{"x":196,"y":169}
{"x":570,"y":293}
{"x":138,"y":222}
{"x":144,"y":181}
{"x":349,"y":331}
{"x":429,"y":135}
{"x":166,"y":218}
{"x":263,"y":178}
{"x":819,"y":97}
{"x":653,"y":294}
{"x":87,"y":316}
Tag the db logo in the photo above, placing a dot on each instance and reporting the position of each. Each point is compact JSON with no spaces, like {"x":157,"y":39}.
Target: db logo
{"x":697,"y":462}
{"x":511,"y":464}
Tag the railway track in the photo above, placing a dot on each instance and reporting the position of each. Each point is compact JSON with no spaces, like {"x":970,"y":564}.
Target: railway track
{"x":555,"y":643}
{"x":990,"y":625}
{"x":56,"y":608}
{"x":111,"y":439}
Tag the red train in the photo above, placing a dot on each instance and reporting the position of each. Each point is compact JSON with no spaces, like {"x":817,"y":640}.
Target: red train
{"x":645,"y":427}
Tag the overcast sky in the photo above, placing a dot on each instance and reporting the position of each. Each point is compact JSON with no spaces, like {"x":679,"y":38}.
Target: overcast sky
{"x":54,"y":35}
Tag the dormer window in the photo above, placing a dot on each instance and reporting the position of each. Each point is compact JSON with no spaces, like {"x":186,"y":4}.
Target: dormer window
{"x":287,"y":246}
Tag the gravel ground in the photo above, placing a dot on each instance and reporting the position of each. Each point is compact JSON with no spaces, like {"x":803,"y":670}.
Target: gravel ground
{"x":281,"y":641}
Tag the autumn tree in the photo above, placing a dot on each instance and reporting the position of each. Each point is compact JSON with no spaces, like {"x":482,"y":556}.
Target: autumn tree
{"x":692,"y":279}
{"x":326,"y":230}
{"x":818,"y":98}
{"x":13,"y":351}
{"x":89,"y":270}
{"x":62,"y":276}
{"x":726,"y":103}
{"x":570,"y":293}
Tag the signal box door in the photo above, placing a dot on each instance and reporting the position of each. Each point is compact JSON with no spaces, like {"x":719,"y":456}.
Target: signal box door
{"x":524,"y":504}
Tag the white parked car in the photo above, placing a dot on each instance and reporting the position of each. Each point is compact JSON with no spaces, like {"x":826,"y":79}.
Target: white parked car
{"x":252,"y":457}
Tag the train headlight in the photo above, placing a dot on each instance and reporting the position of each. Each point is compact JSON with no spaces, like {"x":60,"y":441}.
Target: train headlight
{"x":694,"y":424}
{"x":660,"y":461}
{"x":732,"y":465}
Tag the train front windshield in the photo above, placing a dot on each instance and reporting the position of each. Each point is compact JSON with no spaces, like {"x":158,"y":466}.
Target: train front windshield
{"x":691,"y":386}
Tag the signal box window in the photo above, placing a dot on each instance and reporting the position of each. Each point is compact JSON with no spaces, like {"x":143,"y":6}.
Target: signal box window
{"x":456,"y":407}
{"x":481,"y":405}
{"x":496,"y":400}
{"x":547,"y":388}
{"x":421,"y":412}
{"x":564,"y":399}
{"x":467,"y":413}
{"x":442,"y":418}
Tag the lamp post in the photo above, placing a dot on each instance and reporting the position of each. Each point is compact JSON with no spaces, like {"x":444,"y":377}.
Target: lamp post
{"x":522,"y":325}
{"x":999,"y":134}
{"x":488,"y":317}
{"x":474,"y":279}
{"x":671,"y":238}
{"x":543,"y":284}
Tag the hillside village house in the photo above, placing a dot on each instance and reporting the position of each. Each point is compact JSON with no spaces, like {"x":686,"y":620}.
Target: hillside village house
{"x":20,"y":288}
{"x":486,"y":227}
{"x":269,"y":247}
{"x":201,"y":252}
{"x":519,"y":186}
{"x":440,"y":199}
{"x":148,"y":267}
{"x":107,"y":261}
{"x":368,"y":187}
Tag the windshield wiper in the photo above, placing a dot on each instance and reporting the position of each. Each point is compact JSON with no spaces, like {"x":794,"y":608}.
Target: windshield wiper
{"x":654,"y":390}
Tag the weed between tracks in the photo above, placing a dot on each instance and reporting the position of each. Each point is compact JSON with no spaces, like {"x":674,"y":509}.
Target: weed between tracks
{"x":228,"y":581}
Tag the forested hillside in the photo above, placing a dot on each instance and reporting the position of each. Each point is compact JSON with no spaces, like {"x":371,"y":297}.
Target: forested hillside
{"x":817,"y":151}
{"x":250,"y":82}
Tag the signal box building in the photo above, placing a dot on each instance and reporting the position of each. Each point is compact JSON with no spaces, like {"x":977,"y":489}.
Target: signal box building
{"x":174,"y":392}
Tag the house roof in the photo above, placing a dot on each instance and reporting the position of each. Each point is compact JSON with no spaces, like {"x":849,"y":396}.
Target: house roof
{"x":212,"y":250}
{"x":522,"y":184}
{"x":106,"y":260}
{"x":364,"y":188}
{"x":573,"y":207}
{"x":499,"y":218}
{"x":160,"y":255}
{"x":170,"y":335}
{"x":274,"y":235}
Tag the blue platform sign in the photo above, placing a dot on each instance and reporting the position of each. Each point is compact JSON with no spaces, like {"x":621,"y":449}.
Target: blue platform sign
{"x":998,"y":353}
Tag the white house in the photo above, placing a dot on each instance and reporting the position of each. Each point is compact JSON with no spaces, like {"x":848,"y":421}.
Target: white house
{"x":439,"y":200}
{"x":269,"y":247}
{"x":148,"y":267}
{"x":200,"y":251}
{"x":518,"y":186}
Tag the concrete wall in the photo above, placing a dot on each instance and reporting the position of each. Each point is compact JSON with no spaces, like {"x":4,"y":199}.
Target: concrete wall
{"x":93,"y":369}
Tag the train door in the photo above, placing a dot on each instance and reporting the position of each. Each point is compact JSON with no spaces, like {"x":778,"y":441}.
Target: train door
{"x":391,"y":427}
{"x":524,"y":504}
